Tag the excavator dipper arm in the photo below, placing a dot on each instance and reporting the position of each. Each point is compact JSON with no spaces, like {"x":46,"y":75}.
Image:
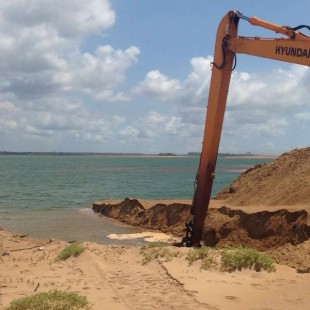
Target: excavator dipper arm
{"x":294,"y":48}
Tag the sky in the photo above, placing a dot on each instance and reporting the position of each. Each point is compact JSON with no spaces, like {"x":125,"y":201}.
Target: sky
{"x":133,"y":76}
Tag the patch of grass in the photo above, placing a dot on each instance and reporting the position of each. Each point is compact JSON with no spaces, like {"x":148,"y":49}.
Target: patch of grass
{"x":238,"y":258}
{"x":155,"y":251}
{"x":53,"y":300}
{"x":197,"y":253}
{"x":74,"y":249}
{"x":202,"y":254}
{"x":207,"y":263}
{"x":153,"y":245}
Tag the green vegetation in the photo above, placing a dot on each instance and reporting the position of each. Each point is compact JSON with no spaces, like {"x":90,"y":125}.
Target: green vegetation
{"x":238,"y":258}
{"x":53,"y":300}
{"x":200,"y":254}
{"x":74,"y":249}
{"x":229,"y":259}
{"x":197,"y":253}
{"x":153,"y":245}
{"x":157,"y":250}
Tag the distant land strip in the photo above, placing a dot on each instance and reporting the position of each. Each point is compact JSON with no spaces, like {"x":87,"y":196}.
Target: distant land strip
{"x":248,"y":154}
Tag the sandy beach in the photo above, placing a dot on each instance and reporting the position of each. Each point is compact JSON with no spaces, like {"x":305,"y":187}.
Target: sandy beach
{"x":115,"y":277}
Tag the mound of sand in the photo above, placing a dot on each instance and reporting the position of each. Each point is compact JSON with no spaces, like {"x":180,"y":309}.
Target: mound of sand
{"x":166,"y":216}
{"x":285,"y":181}
{"x":264,"y":230}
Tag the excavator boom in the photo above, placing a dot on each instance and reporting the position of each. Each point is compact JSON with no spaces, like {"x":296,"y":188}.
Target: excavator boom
{"x":294,"y":47}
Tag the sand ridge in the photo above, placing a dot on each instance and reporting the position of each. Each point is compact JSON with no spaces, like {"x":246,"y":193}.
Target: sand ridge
{"x":284,"y":181}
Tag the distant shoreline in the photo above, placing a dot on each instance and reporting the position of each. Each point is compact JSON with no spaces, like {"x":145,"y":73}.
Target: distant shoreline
{"x":165,"y":155}
{"x":251,"y":156}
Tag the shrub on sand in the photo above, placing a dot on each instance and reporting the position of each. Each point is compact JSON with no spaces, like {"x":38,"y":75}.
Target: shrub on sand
{"x":197,"y":253}
{"x":201,"y":254}
{"x":238,"y":258}
{"x":155,"y":251}
{"x":74,"y":249}
{"x":53,"y":300}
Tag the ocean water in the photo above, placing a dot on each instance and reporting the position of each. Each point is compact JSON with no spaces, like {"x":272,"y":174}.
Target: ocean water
{"x":51,"y":196}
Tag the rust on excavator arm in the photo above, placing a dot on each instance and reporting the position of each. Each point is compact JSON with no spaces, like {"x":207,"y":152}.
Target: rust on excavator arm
{"x":294,"y":48}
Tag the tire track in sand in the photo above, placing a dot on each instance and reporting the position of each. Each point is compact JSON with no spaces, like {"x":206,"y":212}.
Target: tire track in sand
{"x":144,"y":287}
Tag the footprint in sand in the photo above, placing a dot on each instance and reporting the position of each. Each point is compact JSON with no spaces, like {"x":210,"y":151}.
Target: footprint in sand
{"x":233,"y":298}
{"x":258,"y":286}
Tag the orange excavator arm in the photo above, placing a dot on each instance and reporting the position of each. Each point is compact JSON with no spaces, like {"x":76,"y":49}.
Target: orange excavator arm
{"x":294,"y":47}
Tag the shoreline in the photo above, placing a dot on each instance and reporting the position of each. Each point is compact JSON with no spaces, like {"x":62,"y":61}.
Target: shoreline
{"x":165,"y":155}
{"x":67,"y":224}
{"x":93,"y":227}
{"x":251,"y":156}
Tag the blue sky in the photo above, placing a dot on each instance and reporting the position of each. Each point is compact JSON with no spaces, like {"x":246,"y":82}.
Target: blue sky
{"x":133,"y":76}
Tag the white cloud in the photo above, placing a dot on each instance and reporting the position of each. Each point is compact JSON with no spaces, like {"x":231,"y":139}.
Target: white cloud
{"x":41,"y":49}
{"x":260,"y":106}
{"x":100,"y":74}
{"x":188,"y":100}
{"x":159,"y":86}
{"x":157,"y":132}
{"x":7,"y":106}
{"x":118,"y":119}
{"x":129,"y":133}
{"x":68,"y":18}
{"x":54,"y":122}
{"x":302,"y":117}
{"x":57,"y":83}
{"x":277,"y":90}
{"x":189,"y":92}
{"x":196,"y":84}
{"x":49,"y":83}
{"x":272,"y":127}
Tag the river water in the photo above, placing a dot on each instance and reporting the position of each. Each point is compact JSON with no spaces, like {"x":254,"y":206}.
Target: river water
{"x":51,"y":196}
